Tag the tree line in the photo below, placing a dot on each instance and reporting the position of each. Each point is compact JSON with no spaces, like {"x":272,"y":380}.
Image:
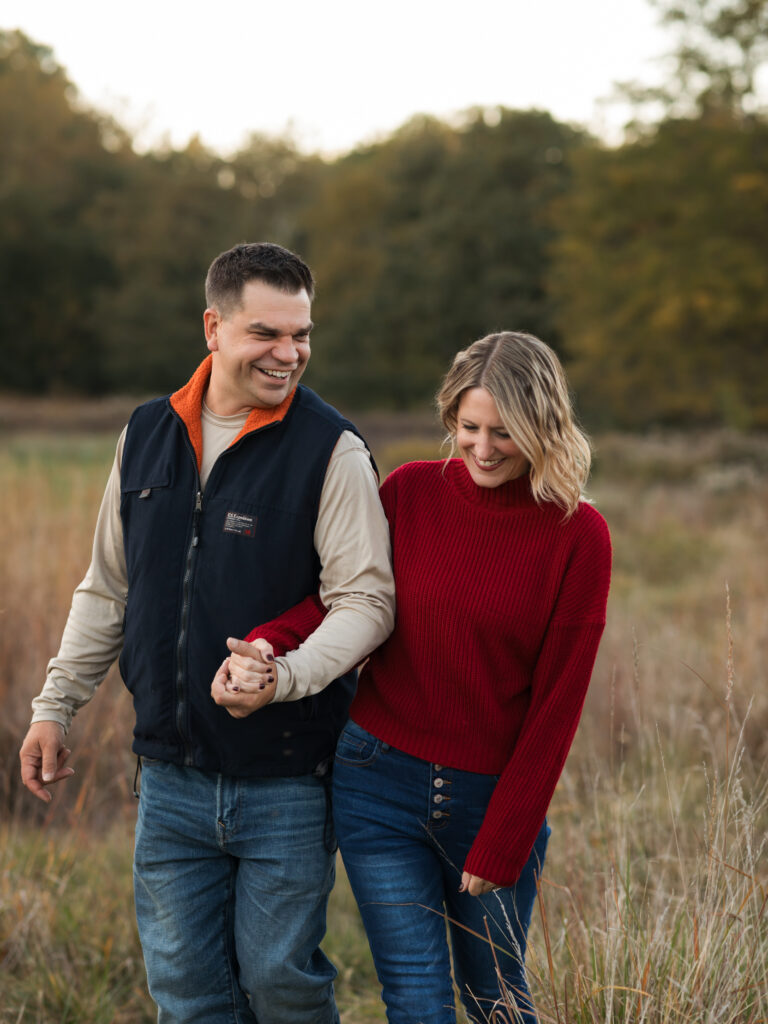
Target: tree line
{"x":643,"y":264}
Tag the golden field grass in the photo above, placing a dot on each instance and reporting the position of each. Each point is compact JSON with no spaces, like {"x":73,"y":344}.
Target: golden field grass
{"x":653,"y":901}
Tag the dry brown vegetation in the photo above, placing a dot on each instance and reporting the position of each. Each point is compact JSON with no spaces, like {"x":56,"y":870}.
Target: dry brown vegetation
{"x":654,"y":900}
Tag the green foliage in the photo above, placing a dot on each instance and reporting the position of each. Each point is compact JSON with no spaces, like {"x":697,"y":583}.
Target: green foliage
{"x":661,"y":268}
{"x":643,"y":264}
{"x":721,"y":46}
{"x":103,"y":252}
{"x":52,"y":165}
{"x":662,"y":276}
{"x":420,"y":244}
{"x":430,"y":240}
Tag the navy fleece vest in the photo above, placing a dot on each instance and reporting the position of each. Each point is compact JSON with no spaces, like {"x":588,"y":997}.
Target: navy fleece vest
{"x":201,"y":569}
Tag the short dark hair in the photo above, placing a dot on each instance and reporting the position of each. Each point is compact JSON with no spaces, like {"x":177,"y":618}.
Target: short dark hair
{"x":259,"y":261}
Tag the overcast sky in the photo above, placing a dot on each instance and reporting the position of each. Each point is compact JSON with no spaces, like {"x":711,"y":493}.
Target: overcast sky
{"x":338,"y":72}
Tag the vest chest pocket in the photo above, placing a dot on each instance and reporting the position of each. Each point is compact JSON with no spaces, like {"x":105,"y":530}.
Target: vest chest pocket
{"x":141,"y":499}
{"x":147,"y":513}
{"x":142,"y":485}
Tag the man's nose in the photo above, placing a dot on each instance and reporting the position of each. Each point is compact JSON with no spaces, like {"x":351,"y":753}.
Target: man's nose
{"x":285,"y":349}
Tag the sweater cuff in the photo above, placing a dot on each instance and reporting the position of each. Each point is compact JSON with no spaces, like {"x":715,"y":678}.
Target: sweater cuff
{"x":492,"y":866}
{"x":289,"y":630}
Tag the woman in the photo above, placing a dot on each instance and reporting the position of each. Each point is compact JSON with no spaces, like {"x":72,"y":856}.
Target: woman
{"x":465,"y":715}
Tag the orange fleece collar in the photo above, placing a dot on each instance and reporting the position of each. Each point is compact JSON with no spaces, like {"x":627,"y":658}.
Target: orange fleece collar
{"x":187,"y":402}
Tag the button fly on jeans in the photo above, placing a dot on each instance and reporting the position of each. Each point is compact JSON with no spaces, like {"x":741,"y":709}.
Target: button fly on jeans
{"x":439,"y":783}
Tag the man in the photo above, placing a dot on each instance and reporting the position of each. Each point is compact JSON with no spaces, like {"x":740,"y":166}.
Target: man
{"x":230,"y":501}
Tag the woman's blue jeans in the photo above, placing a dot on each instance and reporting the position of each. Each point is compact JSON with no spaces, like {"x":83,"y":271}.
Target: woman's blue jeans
{"x":405,"y":827}
{"x":231,"y":880}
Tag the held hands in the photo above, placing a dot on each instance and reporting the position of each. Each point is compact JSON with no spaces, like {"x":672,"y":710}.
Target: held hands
{"x":476,"y":886}
{"x":247,"y":679}
{"x":43,"y":758}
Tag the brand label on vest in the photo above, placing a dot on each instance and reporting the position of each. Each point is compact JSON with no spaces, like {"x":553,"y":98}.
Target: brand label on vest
{"x":242,"y":525}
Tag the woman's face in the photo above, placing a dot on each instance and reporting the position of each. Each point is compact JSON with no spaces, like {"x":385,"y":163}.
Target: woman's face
{"x":489,"y":453}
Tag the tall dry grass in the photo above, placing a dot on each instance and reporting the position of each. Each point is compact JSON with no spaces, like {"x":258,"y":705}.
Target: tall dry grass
{"x":653,"y":900}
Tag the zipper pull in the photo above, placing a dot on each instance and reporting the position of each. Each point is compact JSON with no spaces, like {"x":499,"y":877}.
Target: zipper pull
{"x":196,"y":519}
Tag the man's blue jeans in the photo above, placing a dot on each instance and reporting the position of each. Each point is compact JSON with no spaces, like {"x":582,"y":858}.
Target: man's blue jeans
{"x":231,"y":880}
{"x":405,"y":827}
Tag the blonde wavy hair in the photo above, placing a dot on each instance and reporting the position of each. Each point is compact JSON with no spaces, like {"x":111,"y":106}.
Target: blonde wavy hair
{"x":526,"y":381}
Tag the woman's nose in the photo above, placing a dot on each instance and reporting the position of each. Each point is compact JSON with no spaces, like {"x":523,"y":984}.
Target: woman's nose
{"x":483,"y":446}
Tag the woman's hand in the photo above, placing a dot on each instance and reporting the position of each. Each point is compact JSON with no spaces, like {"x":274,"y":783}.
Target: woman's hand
{"x":247,"y":679}
{"x":475,"y":885}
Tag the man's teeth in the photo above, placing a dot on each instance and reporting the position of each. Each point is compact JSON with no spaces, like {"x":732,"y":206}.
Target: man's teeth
{"x":280,"y":374}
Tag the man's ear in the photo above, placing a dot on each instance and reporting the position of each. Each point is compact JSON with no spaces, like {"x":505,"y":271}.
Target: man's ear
{"x":211,"y":322}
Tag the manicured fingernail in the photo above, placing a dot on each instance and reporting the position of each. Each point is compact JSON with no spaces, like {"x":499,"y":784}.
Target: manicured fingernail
{"x":270,"y":657}
{"x":262,"y":686}
{"x":270,"y":679}
{"x":235,"y":689}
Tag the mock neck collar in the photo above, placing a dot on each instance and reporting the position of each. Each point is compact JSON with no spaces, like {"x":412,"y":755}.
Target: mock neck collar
{"x":514,"y":494}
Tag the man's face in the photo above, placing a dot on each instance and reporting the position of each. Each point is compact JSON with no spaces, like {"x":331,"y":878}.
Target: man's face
{"x":260,"y":349}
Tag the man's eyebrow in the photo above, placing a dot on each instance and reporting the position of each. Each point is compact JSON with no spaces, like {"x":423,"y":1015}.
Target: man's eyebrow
{"x":262,"y":328}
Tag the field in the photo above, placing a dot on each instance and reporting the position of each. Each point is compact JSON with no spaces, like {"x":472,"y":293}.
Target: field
{"x":653,"y":902}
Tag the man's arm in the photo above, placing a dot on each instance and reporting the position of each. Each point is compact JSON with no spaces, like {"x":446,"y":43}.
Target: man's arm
{"x":356,"y":584}
{"x":92,"y":639}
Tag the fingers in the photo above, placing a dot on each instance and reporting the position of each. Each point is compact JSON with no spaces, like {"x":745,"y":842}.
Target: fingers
{"x":222,"y":674}
{"x":251,"y":666}
{"x":247,"y":679}
{"x":240,"y":704}
{"x":476,"y":886}
{"x":259,"y":650}
{"x":54,"y":757}
{"x":219,"y":686}
{"x":31,"y":776}
{"x":43,"y":759}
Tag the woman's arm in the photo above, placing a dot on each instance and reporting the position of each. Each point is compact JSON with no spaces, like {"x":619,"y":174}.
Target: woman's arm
{"x":292,"y":628}
{"x":559,"y":687}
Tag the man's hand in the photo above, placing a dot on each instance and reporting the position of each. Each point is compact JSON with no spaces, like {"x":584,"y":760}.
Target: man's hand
{"x":246,"y":680}
{"x":43,"y":758}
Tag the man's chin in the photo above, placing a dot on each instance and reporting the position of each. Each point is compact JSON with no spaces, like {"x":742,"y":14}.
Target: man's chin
{"x":270,"y":398}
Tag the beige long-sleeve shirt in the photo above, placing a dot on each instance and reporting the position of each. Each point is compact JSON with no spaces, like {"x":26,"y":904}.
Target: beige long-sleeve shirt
{"x":356,"y":585}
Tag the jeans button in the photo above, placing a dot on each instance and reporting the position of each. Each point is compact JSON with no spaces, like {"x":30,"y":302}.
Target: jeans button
{"x":437,"y":798}
{"x":437,"y":767}
{"x":439,"y":783}
{"x":437,"y":814}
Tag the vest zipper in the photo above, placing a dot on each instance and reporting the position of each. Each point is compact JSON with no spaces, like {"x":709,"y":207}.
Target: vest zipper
{"x":183,"y":626}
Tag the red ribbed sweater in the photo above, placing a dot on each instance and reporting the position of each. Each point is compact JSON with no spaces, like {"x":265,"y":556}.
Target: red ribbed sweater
{"x":500,"y":609}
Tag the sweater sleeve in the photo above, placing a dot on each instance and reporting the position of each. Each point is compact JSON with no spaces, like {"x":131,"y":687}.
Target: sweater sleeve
{"x":292,"y":628}
{"x":288,"y":631}
{"x":561,"y":676}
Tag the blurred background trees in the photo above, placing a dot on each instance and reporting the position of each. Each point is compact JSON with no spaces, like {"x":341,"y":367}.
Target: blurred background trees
{"x":645,"y":264}
{"x":661,"y":264}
